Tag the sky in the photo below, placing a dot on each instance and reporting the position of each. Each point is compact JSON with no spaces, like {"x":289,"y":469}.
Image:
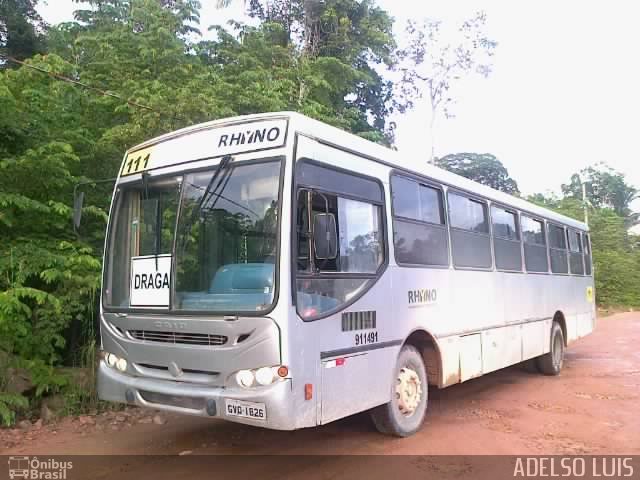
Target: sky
{"x":564,"y":92}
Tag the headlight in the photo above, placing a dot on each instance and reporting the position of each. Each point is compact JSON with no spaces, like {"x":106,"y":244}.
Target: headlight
{"x":115,"y":362}
{"x":245,"y":378}
{"x":264,"y":376}
{"x":121,"y":365}
{"x":111,"y":360}
{"x":261,"y":376}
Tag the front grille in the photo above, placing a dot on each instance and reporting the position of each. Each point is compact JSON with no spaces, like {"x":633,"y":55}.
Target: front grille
{"x":178,"y":337}
{"x":185,"y":370}
{"x":192,"y":403}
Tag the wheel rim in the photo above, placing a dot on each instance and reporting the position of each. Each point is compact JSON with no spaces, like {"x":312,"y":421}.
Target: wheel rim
{"x":557,"y":351}
{"x":408,"y":391}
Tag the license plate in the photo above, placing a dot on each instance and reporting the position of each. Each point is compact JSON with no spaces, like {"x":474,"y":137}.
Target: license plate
{"x":240,"y":408}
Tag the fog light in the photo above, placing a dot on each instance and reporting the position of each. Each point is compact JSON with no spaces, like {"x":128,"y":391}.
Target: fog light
{"x":111,"y":360}
{"x":245,"y":378}
{"x":121,"y":365}
{"x":264,"y":376}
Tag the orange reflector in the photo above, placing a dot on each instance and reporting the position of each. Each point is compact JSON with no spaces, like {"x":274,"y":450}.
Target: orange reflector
{"x":308,"y":391}
{"x":283,"y":371}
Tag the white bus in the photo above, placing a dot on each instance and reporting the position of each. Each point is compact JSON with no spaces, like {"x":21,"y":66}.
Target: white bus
{"x":276,"y":271}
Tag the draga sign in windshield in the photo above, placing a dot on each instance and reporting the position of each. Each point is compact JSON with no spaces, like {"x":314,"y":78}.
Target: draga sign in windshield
{"x":150,"y":281}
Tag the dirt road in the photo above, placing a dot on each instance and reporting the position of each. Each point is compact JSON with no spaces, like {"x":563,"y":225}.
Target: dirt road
{"x":592,"y":407}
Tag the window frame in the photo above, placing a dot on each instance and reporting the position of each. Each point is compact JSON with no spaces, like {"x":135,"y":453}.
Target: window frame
{"x":424,"y":184}
{"x":517,"y":213}
{"x":580,"y":251}
{"x":543,"y":221}
{"x":557,"y":249}
{"x":488,"y":234}
{"x":579,"y":240}
{"x":443,"y":226}
{"x":473,"y":198}
{"x":512,"y":210}
{"x":538,"y":219}
{"x":564,"y":234}
{"x":296,"y":275}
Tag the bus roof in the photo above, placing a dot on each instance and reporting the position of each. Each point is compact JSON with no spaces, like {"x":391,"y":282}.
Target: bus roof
{"x":328,"y":134}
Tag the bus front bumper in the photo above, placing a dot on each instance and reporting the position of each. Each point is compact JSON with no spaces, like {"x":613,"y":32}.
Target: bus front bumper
{"x":199,"y":400}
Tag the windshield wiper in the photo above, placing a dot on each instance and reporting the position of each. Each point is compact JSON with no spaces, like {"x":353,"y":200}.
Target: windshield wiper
{"x":218,"y":181}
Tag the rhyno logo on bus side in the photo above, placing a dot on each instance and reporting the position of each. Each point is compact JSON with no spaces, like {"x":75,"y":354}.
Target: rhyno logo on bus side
{"x":423,"y":296}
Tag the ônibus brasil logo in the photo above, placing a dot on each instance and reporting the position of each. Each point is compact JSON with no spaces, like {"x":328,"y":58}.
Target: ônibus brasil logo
{"x":36,"y":469}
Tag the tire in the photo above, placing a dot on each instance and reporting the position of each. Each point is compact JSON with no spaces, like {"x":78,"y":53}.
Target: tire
{"x":404,"y":414}
{"x":551,"y":363}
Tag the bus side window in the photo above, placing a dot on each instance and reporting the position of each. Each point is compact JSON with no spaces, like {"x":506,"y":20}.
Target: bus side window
{"x":356,"y":203}
{"x":558,"y":249}
{"x":506,"y":239}
{"x":535,"y":246}
{"x":576,"y":265}
{"x":470,"y":240}
{"x":420,"y":234}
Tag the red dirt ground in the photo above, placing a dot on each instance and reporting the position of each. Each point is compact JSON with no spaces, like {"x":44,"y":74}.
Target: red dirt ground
{"x":591,"y":408}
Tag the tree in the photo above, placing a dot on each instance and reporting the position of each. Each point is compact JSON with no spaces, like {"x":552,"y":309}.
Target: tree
{"x":605,"y":188}
{"x":435,"y":59}
{"x":483,"y":168}
{"x":21,"y":30}
{"x":335,"y":46}
{"x":183,"y":15}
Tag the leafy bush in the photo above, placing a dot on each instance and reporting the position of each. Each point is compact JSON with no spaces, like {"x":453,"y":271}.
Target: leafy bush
{"x":9,"y":403}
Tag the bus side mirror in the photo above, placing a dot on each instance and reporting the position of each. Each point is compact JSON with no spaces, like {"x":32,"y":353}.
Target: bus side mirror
{"x":325,"y":236}
{"x":78,"y":200}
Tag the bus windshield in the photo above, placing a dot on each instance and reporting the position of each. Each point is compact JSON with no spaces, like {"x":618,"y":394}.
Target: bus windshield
{"x":222,"y":258}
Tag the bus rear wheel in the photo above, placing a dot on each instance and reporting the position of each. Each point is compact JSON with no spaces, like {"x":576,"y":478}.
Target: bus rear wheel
{"x":404,"y":414}
{"x":551,"y":363}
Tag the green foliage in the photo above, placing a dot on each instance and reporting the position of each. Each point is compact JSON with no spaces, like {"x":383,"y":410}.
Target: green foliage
{"x":9,"y":404}
{"x":79,"y":398}
{"x":21,"y":30}
{"x":604,"y":188}
{"x":480,"y":167}
{"x":333,"y":52}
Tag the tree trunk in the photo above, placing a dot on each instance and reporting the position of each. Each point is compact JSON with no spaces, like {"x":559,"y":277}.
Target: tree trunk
{"x":310,"y":29}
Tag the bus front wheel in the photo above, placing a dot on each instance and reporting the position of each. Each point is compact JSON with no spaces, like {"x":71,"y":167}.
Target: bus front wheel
{"x":551,"y":363}
{"x":404,"y":414}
